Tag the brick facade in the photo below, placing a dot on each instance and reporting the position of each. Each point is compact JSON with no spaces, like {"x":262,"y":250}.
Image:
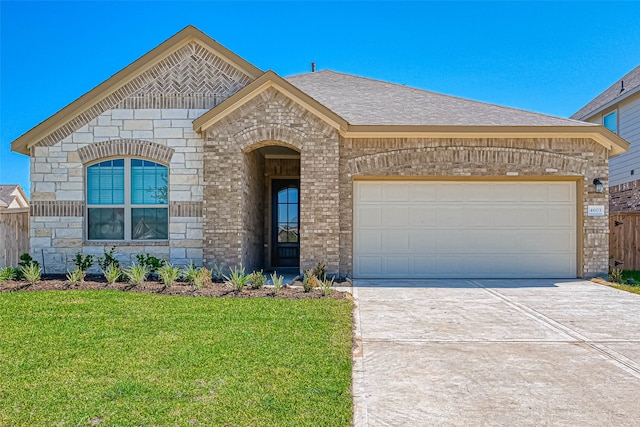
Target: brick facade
{"x":625,"y":197}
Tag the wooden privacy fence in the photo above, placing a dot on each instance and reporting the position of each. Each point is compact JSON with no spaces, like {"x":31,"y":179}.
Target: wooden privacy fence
{"x":14,"y":235}
{"x":624,"y":239}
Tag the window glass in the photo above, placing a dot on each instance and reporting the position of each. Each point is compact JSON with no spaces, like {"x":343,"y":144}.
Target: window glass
{"x":129,"y":184}
{"x":149,"y":223}
{"x":610,"y":121}
{"x":106,"y":223}
{"x":148,"y":183}
{"x":105,"y":183}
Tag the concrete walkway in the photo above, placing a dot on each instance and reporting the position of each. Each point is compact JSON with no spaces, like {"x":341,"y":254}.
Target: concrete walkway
{"x":495,"y":353}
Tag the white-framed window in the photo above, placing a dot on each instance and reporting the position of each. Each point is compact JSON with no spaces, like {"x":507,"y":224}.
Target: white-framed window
{"x":127,"y":199}
{"x":610,"y":121}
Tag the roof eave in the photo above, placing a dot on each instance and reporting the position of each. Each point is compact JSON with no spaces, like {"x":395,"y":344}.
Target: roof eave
{"x":600,"y":134}
{"x":267,"y":80}
{"x":133,"y":70}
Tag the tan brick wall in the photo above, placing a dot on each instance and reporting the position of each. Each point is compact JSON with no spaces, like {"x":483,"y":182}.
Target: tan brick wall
{"x":482,"y":157}
{"x":625,"y":197}
{"x":253,"y":211}
{"x":271,"y":119}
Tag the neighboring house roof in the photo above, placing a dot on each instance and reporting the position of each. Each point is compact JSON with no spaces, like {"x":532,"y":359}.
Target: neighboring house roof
{"x":364,"y":101}
{"x":623,"y":88}
{"x":110,"y":91}
{"x":12,"y":197}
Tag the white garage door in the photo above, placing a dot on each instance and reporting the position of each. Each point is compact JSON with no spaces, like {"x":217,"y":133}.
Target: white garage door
{"x":426,"y":229}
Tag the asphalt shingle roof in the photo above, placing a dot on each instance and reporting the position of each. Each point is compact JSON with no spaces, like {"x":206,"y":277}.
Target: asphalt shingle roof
{"x":631,"y":81}
{"x":363,"y":101}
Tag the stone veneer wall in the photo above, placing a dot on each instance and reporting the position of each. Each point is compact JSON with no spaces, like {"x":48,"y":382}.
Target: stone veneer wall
{"x":480,"y":157}
{"x":271,"y":119}
{"x":58,"y":180}
{"x":625,"y":197}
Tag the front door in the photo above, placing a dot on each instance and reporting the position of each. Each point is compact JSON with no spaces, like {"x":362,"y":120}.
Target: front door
{"x":285,"y":224}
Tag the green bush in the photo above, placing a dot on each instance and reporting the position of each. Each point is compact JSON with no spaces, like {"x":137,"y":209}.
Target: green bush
{"x":108,"y":259}
{"x":169,"y":274}
{"x":31,"y":272}
{"x":7,"y":274}
{"x":136,"y":274}
{"x":25,"y":261}
{"x":112,"y":273}
{"x":202,"y":278}
{"x":83,"y":263}
{"x":152,"y":263}
{"x":615,"y":275}
{"x":190,"y":273}
{"x":237,"y":278}
{"x":277,"y":283}
{"x":75,"y":276}
{"x":326,"y":286}
{"x":258,"y":279}
{"x":309,"y":280}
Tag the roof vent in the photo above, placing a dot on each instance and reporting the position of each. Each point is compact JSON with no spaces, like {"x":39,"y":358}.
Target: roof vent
{"x":313,"y":67}
{"x":621,"y":86}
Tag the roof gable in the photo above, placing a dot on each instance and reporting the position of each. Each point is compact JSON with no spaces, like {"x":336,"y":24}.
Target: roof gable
{"x":623,"y":88}
{"x":205,"y":68}
{"x":12,"y":197}
{"x":267,"y":80}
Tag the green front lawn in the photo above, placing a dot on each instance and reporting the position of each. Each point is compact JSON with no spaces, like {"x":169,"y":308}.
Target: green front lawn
{"x":125,"y":359}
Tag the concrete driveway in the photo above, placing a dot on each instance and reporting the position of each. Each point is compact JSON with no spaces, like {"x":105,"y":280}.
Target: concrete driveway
{"x":496,"y":352}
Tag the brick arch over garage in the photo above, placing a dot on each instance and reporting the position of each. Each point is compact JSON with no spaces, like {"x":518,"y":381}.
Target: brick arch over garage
{"x":126,"y":147}
{"x":442,"y":160}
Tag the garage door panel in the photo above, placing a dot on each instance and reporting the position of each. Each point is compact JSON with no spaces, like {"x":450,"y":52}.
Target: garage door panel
{"x":369,"y":242}
{"x":394,"y":216}
{"x":465,"y":229}
{"x":421,"y":217}
{"x":395,"y":241}
{"x":395,"y":192}
{"x":422,"y":241}
{"x":368,"y":193}
{"x":369,"y":216}
{"x":561,"y":216}
{"x":563,"y":192}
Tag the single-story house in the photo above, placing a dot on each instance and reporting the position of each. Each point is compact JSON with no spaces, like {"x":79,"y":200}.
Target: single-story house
{"x":192,"y":153}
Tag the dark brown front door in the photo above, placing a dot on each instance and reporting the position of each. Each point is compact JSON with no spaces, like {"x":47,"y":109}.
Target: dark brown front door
{"x":285,"y":224}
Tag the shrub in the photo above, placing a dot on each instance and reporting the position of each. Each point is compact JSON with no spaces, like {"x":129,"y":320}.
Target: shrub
{"x":152,"y":263}
{"x":326,"y":287}
{"x":25,"y":261}
{"x":218,"y":271}
{"x":169,"y":274}
{"x":83,"y":263}
{"x":277,"y":283}
{"x":31,"y":272}
{"x":190,"y":273}
{"x":112,"y":273}
{"x":615,"y":275}
{"x":7,"y":274}
{"x":108,"y":259}
{"x":202,"y":278}
{"x":238,"y":279}
{"x":75,"y":276}
{"x":309,"y":280}
{"x":136,"y":274}
{"x":258,"y":279}
{"x":320,"y":271}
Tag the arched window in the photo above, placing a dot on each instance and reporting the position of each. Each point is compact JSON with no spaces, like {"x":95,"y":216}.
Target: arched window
{"x":127,"y":199}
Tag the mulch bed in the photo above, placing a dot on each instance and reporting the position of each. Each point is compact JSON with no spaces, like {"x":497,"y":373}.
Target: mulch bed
{"x":218,"y":290}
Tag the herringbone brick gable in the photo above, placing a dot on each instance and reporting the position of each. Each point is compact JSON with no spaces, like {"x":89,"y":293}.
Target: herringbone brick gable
{"x":191,"y":77}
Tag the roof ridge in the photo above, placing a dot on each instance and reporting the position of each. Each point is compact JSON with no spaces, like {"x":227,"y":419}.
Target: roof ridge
{"x":437,"y":94}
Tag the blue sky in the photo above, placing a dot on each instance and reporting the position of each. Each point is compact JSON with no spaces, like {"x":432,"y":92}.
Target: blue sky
{"x":549,"y":57}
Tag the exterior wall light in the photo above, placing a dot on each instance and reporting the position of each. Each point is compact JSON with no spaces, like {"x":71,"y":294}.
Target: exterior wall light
{"x":599,"y":185}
